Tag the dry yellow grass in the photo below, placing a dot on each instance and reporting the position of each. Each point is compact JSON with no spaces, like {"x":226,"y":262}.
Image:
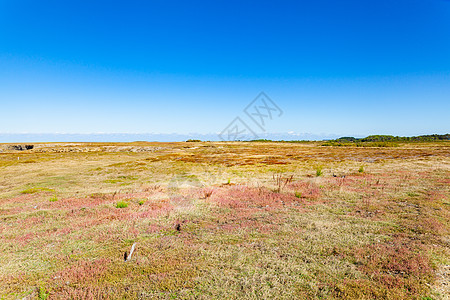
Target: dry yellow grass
{"x":210,"y":221}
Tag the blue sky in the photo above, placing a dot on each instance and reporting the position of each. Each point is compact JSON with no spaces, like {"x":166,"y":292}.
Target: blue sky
{"x":333,"y":67}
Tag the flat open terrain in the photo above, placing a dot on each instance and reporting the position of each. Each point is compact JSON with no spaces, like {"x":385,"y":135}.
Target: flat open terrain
{"x":225,"y":221}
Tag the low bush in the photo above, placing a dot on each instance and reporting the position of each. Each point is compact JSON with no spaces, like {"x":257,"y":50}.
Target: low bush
{"x":122,"y":204}
{"x":319,"y":171}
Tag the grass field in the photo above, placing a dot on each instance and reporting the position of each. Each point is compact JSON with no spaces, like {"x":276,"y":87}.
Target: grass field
{"x":225,"y":221}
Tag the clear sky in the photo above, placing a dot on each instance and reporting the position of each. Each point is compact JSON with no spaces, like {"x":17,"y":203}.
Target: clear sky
{"x":333,"y":67}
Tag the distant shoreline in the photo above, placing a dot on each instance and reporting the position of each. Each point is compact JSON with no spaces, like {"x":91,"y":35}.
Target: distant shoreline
{"x":164,"y":138}
{"x":132,"y":137}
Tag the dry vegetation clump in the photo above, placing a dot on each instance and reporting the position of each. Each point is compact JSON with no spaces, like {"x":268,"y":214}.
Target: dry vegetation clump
{"x":211,"y":220}
{"x":281,"y":181}
{"x":305,"y":189}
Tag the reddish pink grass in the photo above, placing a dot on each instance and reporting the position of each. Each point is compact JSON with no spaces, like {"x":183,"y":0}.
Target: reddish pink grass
{"x":83,"y":292}
{"x":242,"y":197}
{"x":29,"y":222}
{"x":257,"y":209}
{"x":83,"y":272}
{"x":392,"y":262}
{"x":307,"y":190}
{"x":77,"y":203}
{"x":17,"y":204}
{"x":151,"y":213}
{"x":25,"y":198}
{"x":436,"y":195}
{"x":25,"y":239}
{"x":395,"y":269}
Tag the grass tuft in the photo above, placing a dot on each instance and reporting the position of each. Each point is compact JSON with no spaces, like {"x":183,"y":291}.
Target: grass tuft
{"x":121,"y":204}
{"x":42,"y":293}
{"x":319,"y":171}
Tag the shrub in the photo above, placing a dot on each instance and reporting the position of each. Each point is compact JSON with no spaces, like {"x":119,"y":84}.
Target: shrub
{"x":319,"y":171}
{"x":334,"y":143}
{"x":376,"y":144}
{"x":141,"y":202}
{"x":121,"y":204}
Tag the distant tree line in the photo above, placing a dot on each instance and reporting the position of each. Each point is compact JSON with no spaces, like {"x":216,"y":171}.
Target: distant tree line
{"x":391,"y":138}
{"x":376,"y":140}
